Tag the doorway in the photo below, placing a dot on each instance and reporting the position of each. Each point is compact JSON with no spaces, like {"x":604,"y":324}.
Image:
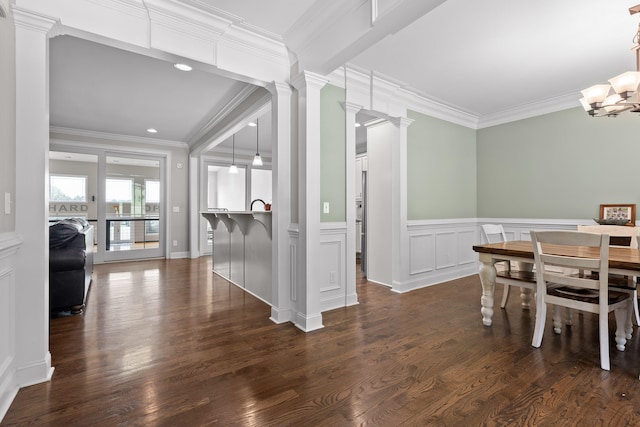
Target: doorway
{"x":121,"y":195}
{"x":133,"y":210}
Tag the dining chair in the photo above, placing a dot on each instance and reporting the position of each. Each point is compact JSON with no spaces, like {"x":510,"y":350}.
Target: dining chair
{"x":494,"y":233}
{"x":560,"y":287}
{"x":624,"y":236}
{"x":622,"y":283}
{"x":629,"y":285}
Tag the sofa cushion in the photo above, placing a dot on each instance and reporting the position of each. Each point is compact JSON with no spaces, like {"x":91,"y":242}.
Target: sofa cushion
{"x":63,"y":232}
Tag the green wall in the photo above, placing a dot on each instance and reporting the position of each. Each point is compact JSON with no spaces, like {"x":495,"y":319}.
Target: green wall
{"x":561,"y":165}
{"x":441,"y":169}
{"x":332,"y":154}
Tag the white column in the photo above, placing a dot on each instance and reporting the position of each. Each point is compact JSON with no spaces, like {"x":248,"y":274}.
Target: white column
{"x":33,"y":359}
{"x":308,"y":316}
{"x":399,"y":233}
{"x":195,"y":197}
{"x":281,"y":206}
{"x":351,"y":296}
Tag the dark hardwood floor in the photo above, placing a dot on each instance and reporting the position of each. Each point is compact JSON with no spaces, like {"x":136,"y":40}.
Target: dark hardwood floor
{"x":166,"y":342}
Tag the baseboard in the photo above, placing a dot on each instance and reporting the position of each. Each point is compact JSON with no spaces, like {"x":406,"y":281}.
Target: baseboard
{"x":178,"y":255}
{"x":8,"y":391}
{"x":308,"y":323}
{"x":35,"y":373}
{"x":280,"y":316}
{"x":433,"y":279}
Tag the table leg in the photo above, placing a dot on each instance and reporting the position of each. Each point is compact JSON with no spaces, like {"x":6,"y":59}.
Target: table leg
{"x":525,"y":293}
{"x":488,"y":280}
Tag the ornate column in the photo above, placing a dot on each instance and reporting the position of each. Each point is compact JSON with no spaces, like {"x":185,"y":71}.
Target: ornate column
{"x":33,"y":360}
{"x":308,"y":316}
{"x":350,"y":250}
{"x":281,"y":188}
{"x":399,"y":233}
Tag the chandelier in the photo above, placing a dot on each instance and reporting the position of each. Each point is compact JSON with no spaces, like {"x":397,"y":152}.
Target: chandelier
{"x":609,"y":100}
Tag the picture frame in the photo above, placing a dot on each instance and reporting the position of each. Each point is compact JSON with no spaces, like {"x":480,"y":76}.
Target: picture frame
{"x":619,"y":212}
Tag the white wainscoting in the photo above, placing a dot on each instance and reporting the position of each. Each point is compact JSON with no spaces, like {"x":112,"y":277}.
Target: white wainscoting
{"x":9,"y":245}
{"x":439,"y":250}
{"x":333,"y":280}
{"x":442,"y":250}
{"x":520,"y":229}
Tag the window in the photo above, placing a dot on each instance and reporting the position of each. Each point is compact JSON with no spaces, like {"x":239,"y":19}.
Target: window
{"x":119,"y":190}
{"x":152,"y":191}
{"x":67,"y":188}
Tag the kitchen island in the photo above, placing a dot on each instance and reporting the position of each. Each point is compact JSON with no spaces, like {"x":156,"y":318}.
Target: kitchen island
{"x":241,"y":249}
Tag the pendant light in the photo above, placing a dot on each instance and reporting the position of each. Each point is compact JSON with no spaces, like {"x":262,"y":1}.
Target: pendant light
{"x":257,"y":160}
{"x":233,"y":168}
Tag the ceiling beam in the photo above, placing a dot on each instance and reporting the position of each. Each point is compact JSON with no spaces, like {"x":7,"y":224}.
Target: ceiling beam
{"x":330,"y":34}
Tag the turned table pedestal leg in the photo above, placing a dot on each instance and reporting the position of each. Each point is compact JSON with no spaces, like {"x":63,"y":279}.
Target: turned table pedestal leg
{"x":488,"y":280}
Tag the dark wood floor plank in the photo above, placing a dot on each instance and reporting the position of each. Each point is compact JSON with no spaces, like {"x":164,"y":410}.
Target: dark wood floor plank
{"x":166,"y":342}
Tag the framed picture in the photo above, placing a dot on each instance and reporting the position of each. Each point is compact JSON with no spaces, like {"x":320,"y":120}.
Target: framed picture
{"x":619,"y":213}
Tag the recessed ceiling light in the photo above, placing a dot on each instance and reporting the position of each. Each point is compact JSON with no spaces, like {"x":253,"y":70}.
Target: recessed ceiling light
{"x":252,"y":124}
{"x":357,"y":124}
{"x":152,"y":130}
{"x":183,"y":67}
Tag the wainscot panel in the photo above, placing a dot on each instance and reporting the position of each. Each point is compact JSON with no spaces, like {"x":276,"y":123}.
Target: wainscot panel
{"x":9,"y":246}
{"x":333,"y":238}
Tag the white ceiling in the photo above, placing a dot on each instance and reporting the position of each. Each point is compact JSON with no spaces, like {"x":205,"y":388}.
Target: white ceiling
{"x":480,"y":57}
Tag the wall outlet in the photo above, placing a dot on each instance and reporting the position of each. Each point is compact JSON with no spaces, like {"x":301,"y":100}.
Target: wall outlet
{"x":325,"y":207}
{"x":175,"y":243}
{"x":176,"y":209}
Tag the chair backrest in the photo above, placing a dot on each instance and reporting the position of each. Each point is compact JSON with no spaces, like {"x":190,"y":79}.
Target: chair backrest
{"x":493,"y":233}
{"x":585,"y":251}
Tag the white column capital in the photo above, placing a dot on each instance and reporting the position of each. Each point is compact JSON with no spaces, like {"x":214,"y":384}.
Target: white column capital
{"x":403,"y":122}
{"x":279,"y":88}
{"x":307,"y":79}
{"x":351,"y":107}
{"x":29,"y":20}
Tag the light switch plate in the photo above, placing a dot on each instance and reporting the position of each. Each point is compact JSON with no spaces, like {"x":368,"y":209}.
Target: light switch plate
{"x":176,"y":209}
{"x":326,"y":207}
{"x":7,"y":203}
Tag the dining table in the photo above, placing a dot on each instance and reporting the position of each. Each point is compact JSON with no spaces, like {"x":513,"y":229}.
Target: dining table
{"x":622,"y":260}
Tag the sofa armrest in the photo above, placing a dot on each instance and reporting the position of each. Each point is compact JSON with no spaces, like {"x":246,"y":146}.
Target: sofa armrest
{"x":66,"y":259}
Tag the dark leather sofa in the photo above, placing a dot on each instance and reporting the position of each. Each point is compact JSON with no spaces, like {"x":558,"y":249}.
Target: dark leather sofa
{"x":70,"y":264}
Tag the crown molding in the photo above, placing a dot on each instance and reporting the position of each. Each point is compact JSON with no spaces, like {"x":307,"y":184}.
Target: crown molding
{"x":116,"y":137}
{"x":377,"y":92}
{"x":551,"y":105}
{"x":220,"y":115}
{"x":438,"y":110}
{"x":34,"y":21}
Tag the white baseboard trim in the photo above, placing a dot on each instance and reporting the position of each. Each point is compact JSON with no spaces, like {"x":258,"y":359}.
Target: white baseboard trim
{"x":308,"y":323}
{"x":412,"y":285}
{"x":35,"y":373}
{"x":8,"y":391}
{"x":178,"y":255}
{"x":280,"y":316}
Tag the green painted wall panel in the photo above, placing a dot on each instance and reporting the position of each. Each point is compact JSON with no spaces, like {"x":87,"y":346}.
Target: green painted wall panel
{"x":441,"y":169}
{"x":332,"y":154}
{"x":558,"y":165}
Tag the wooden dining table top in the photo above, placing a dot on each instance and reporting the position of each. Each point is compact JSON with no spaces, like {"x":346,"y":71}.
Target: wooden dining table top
{"x":625,"y":258}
